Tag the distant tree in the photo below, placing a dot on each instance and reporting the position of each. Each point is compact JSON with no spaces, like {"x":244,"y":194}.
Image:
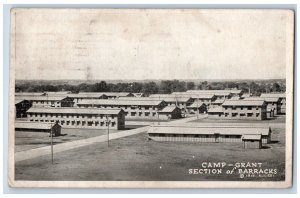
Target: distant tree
{"x":276,"y":87}
{"x":203,"y":85}
{"x":190,"y":85}
{"x":100,"y":87}
{"x":150,"y":88}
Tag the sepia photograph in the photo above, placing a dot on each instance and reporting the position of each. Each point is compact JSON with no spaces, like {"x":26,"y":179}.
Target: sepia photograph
{"x":151,"y":98}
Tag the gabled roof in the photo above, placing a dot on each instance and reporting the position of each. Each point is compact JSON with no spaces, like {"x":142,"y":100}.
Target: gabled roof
{"x":216,"y":92}
{"x":251,"y":137}
{"x":196,"y":105}
{"x":29,"y":94}
{"x":160,"y":95}
{"x":168,"y":109}
{"x":244,"y":102}
{"x":271,"y":99}
{"x":194,"y":95}
{"x":67,"y":110}
{"x":265,"y":99}
{"x":122,"y":102}
{"x":215,"y":110}
{"x":273,"y":95}
{"x":17,"y":101}
{"x":85,"y":95}
{"x":57,"y":92}
{"x":41,"y":98}
{"x":169,"y":129}
{"x":218,"y":101}
{"x":33,"y":125}
{"x":116,"y":94}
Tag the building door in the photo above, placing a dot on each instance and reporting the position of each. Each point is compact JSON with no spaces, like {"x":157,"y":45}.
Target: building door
{"x":217,"y":137}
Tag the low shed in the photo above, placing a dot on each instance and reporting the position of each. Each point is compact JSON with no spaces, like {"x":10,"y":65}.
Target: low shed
{"x":197,"y":107}
{"x":169,"y":112}
{"x":252,"y":141}
{"x":38,"y":127}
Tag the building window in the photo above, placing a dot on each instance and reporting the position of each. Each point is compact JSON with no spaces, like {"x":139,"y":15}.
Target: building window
{"x":112,"y":117}
{"x":226,"y":114}
{"x":96,"y":123}
{"x":241,"y":108}
{"x":256,"y":108}
{"x":233,"y":108}
{"x":68,"y":122}
{"x":249,"y":108}
{"x":102,"y":123}
{"x":46,"y":115}
{"x":234,"y":114}
{"x":153,"y":114}
{"x":147,"y":113}
{"x":140,"y":113}
{"x":77,"y":116}
{"x":113,"y":124}
{"x":89,"y":116}
{"x":257,"y":114}
{"x":83,"y":123}
{"x":146,"y":108}
{"x":73,"y":122}
{"x":242,"y":114}
{"x":133,"y":113}
{"x":225,"y":108}
{"x":78,"y":123}
{"x":67,"y":115}
{"x":90,"y":123}
{"x":249,"y":114}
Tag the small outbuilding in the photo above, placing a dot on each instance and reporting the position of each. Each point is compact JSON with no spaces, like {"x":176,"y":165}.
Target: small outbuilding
{"x":38,"y":127}
{"x":169,"y":112}
{"x":252,"y":141}
{"x":197,"y":107}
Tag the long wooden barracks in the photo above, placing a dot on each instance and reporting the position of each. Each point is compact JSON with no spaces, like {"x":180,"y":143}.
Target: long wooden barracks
{"x":79,"y":117}
{"x":48,"y":101}
{"x":192,"y":133}
{"x":135,"y":109}
{"x":240,"y":109}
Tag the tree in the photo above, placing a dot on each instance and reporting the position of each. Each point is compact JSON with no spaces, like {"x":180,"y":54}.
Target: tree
{"x":100,"y":87}
{"x":150,"y":88}
{"x":190,"y":85}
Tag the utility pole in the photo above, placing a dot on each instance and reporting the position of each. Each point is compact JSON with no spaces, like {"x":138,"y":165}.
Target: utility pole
{"x":107,"y":123}
{"x":197,"y":108}
{"x":51,"y":134}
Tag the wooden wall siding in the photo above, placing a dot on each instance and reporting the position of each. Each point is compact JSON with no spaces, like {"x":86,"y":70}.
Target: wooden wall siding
{"x":194,"y":138}
{"x":64,"y":119}
{"x":252,"y":145}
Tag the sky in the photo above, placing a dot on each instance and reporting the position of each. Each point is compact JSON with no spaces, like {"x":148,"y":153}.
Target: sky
{"x":114,"y":44}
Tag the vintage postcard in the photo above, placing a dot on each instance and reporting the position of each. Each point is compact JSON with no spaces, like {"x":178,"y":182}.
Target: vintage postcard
{"x":151,"y":98}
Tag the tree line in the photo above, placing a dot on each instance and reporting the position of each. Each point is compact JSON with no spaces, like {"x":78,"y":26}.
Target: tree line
{"x":162,"y":87}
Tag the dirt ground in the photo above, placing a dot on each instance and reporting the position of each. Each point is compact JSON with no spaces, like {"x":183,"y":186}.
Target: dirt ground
{"x":137,"y":158}
{"x":30,"y":140}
